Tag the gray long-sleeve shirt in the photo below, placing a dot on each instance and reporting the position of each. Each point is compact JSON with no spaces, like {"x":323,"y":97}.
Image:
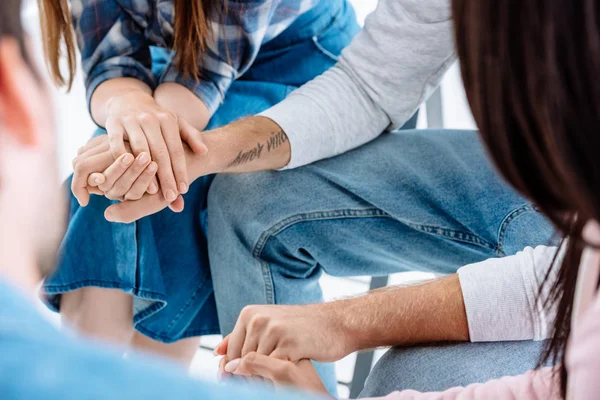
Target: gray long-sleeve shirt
{"x":383,"y":76}
{"x":381,"y":79}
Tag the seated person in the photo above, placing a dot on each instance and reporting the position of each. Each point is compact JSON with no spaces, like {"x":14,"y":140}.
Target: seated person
{"x":386,"y":203}
{"x":531,"y":87}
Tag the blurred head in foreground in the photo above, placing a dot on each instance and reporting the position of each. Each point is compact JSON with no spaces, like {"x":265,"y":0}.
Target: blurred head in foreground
{"x":32,"y":211}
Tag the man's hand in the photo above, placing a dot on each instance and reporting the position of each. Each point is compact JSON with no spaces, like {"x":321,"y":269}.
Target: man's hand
{"x":301,"y":375}
{"x":432,"y":311}
{"x":288,"y":333}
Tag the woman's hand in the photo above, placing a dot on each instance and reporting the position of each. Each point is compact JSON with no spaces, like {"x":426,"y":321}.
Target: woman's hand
{"x":97,"y":172}
{"x":135,"y":117}
{"x":126,"y":178}
{"x":301,"y":374}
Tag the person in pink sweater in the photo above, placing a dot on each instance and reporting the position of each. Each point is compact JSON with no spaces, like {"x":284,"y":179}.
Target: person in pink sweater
{"x":529,"y":69}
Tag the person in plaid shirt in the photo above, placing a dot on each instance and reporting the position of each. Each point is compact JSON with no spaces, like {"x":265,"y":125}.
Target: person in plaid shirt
{"x":150,"y":89}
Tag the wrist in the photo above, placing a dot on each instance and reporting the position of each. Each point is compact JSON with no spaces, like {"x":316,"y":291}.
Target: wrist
{"x":124,"y":98}
{"x":337,"y":316}
{"x":212,"y":162}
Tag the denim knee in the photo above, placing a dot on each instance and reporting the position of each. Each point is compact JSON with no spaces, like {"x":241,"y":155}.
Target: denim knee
{"x":244,"y":202}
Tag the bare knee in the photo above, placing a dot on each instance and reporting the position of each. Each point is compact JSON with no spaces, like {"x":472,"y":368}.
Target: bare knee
{"x":104,"y":314}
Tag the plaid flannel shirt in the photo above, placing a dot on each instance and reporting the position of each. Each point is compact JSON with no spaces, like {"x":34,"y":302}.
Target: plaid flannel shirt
{"x":115,"y":36}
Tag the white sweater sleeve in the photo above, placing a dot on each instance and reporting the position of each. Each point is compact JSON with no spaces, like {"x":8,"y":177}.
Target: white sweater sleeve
{"x":500,"y":296}
{"x":383,"y":76}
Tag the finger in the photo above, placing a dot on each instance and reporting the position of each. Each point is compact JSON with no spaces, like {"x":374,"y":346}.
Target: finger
{"x":281,"y":354}
{"x":172,"y":138}
{"x":115,"y":171}
{"x":135,"y":136}
{"x":250,"y":343}
{"x":153,"y":187}
{"x":96,"y":179}
{"x":221,"y":374}
{"x":160,"y":154}
{"x":116,"y":132}
{"x":255,"y":364}
{"x":93,"y":142}
{"x":126,"y":181}
{"x":267,"y":345}
{"x":94,"y":190}
{"x":192,"y":137}
{"x":132,"y":210}
{"x":140,"y":186}
{"x":236,"y":340}
{"x":82,"y":168}
{"x":177,"y":205}
{"x":221,"y":349}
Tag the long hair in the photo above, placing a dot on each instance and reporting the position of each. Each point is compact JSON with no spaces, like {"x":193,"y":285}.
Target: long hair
{"x":192,"y":26}
{"x":530,"y":72}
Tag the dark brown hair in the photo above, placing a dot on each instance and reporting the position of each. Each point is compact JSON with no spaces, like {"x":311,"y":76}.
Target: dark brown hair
{"x":530,"y":72}
{"x":191,"y":37}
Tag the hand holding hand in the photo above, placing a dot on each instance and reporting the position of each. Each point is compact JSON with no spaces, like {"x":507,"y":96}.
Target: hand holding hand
{"x":288,"y":333}
{"x":117,"y":179}
{"x":135,"y":117}
{"x":301,"y":374}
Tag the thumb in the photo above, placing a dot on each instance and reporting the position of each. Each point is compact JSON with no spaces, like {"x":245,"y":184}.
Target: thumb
{"x":192,"y":136}
{"x":221,"y":349}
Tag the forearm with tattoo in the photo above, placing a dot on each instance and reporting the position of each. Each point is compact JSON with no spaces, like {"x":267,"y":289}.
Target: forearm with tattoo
{"x":249,"y":145}
{"x":248,"y":155}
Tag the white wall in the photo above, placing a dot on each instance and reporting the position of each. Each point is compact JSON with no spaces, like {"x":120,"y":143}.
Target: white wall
{"x":75,"y":126}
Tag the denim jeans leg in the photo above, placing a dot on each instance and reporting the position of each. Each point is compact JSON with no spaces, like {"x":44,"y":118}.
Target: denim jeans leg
{"x":442,"y":366}
{"x":409,"y":200}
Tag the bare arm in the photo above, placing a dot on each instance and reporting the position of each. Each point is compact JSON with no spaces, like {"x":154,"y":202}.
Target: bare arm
{"x":111,"y":89}
{"x":183,"y":102}
{"x":249,"y":145}
{"x":429,"y":312}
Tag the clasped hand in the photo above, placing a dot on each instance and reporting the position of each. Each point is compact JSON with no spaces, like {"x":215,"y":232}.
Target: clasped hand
{"x":276,"y":342}
{"x":142,"y":143}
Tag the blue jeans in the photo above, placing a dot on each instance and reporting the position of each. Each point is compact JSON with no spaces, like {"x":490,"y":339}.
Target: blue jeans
{"x":409,"y":200}
{"x":162,"y":260}
{"x":439,"y":367}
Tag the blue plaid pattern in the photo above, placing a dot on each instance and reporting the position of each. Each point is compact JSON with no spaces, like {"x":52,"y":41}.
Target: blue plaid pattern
{"x":115,"y":37}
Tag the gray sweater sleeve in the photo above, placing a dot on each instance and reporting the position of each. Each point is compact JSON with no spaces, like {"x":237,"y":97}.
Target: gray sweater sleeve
{"x":500,"y":295}
{"x":383,"y":76}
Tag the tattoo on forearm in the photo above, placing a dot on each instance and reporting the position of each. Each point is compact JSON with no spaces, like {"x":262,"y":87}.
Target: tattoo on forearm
{"x":245,"y":156}
{"x":276,"y":140}
{"x":249,"y":155}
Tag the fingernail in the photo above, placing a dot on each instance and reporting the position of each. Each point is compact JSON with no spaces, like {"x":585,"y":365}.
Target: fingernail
{"x":152,"y":188}
{"x":127,"y":159}
{"x":108,"y":214}
{"x":231,"y":366}
{"x":183,"y":188}
{"x":152,"y":168}
{"x":143,"y":158}
{"x":170,"y":195}
{"x":215,"y":352}
{"x":98,"y":179}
